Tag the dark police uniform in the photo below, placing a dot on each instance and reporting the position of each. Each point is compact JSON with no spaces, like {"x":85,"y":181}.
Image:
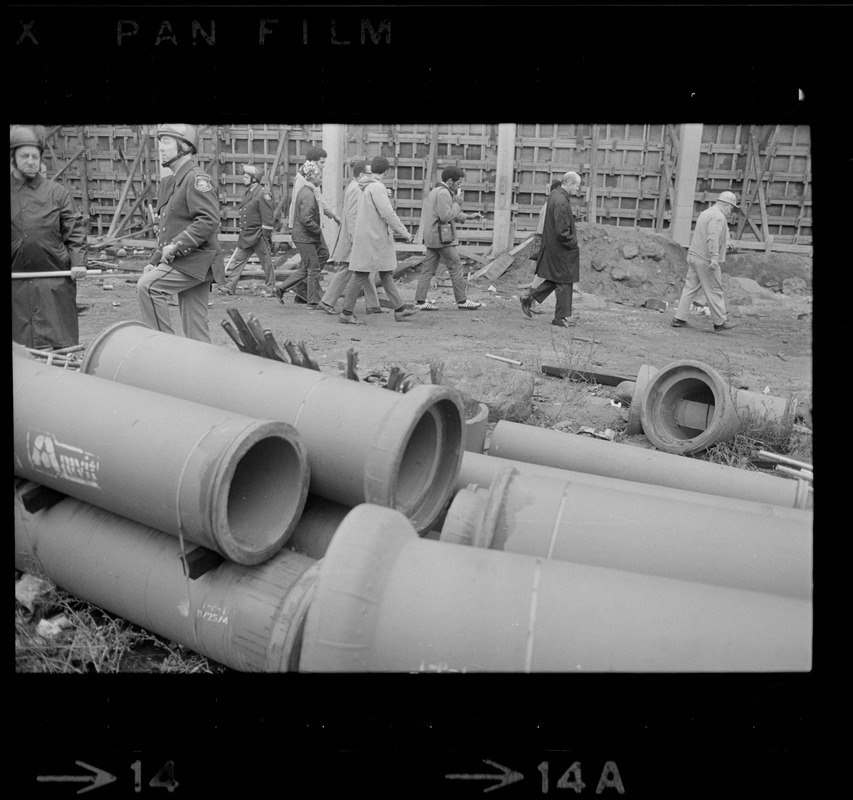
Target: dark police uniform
{"x":256,"y":227}
{"x":188,"y":209}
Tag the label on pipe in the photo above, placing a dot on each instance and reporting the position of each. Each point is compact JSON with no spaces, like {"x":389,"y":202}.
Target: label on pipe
{"x":51,"y":457}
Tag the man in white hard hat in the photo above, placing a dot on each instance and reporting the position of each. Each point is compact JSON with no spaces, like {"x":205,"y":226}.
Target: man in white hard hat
{"x":256,"y":218}
{"x":706,"y":252}
{"x":48,"y":234}
{"x":188,"y":256}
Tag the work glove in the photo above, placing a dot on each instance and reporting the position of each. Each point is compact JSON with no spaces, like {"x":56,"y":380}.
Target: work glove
{"x":78,"y":272}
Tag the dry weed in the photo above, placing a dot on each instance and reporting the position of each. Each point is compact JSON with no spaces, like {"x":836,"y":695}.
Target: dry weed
{"x":93,"y":641}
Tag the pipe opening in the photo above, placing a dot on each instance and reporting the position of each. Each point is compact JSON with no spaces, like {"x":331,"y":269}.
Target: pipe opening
{"x":429,"y":462}
{"x":419,"y":462}
{"x":266,"y":494}
{"x":678,"y":406}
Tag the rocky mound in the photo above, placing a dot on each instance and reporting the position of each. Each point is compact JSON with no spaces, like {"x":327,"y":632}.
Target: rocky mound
{"x":632,"y":265}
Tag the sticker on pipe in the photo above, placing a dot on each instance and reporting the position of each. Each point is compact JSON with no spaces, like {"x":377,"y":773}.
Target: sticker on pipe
{"x":57,"y":460}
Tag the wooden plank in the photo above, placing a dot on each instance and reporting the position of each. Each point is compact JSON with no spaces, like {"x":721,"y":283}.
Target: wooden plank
{"x":124,"y":192}
{"x":467,"y":252}
{"x":136,"y":204}
{"x":593,"y":154}
{"x":427,"y":182}
{"x":282,"y":202}
{"x":778,"y":247}
{"x":750,"y":157}
{"x":84,"y":178}
{"x":581,"y":375}
{"x":768,"y":157}
{"x":282,"y":144}
{"x":69,"y":163}
{"x":494,"y":269}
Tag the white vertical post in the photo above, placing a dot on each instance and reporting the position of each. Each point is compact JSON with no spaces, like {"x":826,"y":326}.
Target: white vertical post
{"x":686,"y":170}
{"x":334,"y":142}
{"x":502,"y":233}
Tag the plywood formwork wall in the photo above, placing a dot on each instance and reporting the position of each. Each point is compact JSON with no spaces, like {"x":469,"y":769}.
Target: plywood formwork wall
{"x":627,"y":170}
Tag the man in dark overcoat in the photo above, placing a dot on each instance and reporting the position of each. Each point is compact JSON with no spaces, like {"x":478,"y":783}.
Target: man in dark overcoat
{"x":558,"y":263}
{"x":48,"y":235}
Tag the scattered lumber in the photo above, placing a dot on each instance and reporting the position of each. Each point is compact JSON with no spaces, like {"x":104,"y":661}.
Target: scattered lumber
{"x":582,"y":375}
{"x":505,"y":360}
{"x":352,"y":363}
{"x":494,"y":269}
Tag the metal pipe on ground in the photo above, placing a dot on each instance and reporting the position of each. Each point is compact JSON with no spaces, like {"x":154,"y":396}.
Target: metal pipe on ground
{"x":229,"y":482}
{"x":248,"y":618}
{"x":400,"y":450}
{"x":555,"y":517}
{"x":514,"y":441}
{"x":387,"y":600}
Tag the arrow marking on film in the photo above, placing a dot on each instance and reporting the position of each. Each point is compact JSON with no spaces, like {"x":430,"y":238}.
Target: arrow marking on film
{"x":100,"y":778}
{"x":509,"y":776}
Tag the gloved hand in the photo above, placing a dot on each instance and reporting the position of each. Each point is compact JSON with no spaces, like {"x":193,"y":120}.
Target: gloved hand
{"x":77,"y":273}
{"x":148,"y":268}
{"x":168,"y":253}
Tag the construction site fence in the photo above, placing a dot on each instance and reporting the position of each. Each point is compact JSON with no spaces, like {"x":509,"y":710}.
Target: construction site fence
{"x":627,"y":169}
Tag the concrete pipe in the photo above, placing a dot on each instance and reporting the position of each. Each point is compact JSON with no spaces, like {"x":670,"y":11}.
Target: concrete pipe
{"x":635,"y":410}
{"x":514,"y":441}
{"x":757,"y":409}
{"x":400,"y":450}
{"x":247,"y":618}
{"x":231,"y":483}
{"x":707,"y":542}
{"x":389,"y":601}
{"x":316,"y":527}
{"x":475,"y":430}
{"x":688,"y":381}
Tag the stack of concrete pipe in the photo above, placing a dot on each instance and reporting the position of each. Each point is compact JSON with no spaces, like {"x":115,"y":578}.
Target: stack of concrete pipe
{"x":154,"y":480}
{"x":364,"y":446}
{"x":596,"y":563}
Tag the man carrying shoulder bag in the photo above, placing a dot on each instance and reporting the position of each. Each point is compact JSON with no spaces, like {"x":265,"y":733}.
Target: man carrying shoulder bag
{"x":443,"y":211}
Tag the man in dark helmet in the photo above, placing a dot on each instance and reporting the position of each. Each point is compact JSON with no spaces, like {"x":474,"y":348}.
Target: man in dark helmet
{"x":48,"y":234}
{"x":188,"y":257}
{"x":256,"y":218}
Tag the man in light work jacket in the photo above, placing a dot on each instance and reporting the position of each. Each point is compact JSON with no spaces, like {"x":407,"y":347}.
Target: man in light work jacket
{"x":443,"y":208}
{"x":256,"y":218}
{"x":706,"y":252}
{"x":47,"y":235}
{"x":558,"y":262}
{"x":188,"y":257}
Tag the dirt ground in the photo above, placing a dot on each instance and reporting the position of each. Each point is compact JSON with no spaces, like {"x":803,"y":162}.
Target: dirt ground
{"x":621,"y":268}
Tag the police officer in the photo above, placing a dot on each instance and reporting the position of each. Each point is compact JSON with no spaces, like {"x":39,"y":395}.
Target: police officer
{"x":256,"y":218}
{"x":188,"y":255}
{"x":47,"y":234}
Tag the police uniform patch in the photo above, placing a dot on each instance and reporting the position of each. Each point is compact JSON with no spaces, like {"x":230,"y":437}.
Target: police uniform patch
{"x":202,"y":183}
